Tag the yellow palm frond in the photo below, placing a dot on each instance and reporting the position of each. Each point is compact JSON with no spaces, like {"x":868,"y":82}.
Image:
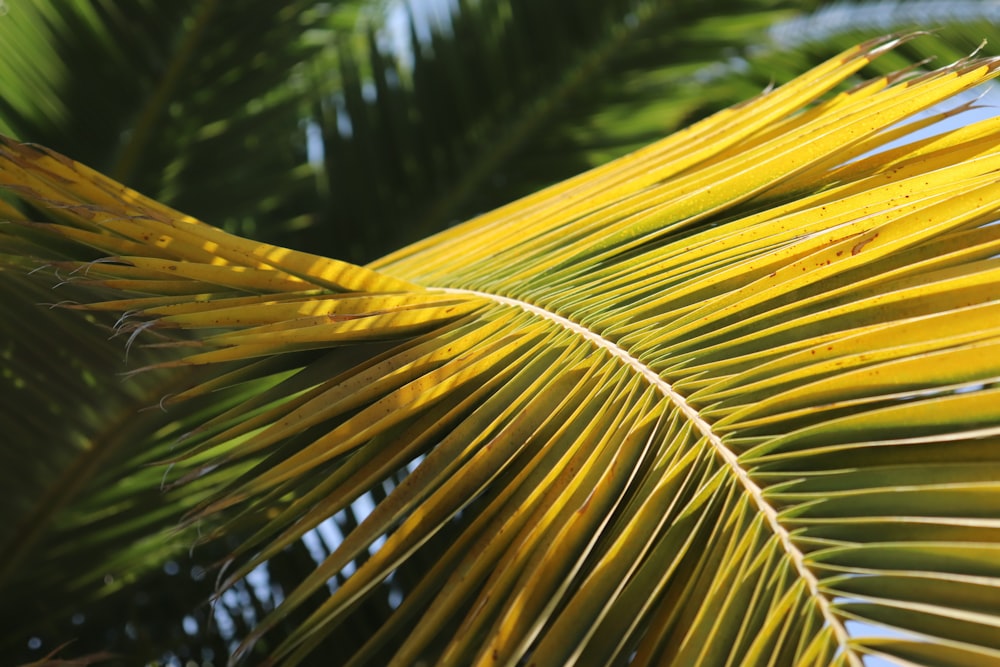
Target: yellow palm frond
{"x":711,"y":403}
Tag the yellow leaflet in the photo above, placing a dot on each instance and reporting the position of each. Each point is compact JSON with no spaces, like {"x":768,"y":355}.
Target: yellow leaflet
{"x":512,"y":506}
{"x":833,"y":106}
{"x":192,"y":303}
{"x":802,"y":115}
{"x":111,"y":268}
{"x":562,"y":433}
{"x":302,"y":312}
{"x":161,"y":239}
{"x":80,"y":182}
{"x":969,"y":284}
{"x":376,"y":328}
{"x":967,"y":443}
{"x":332,"y":273}
{"x":746,"y":172}
{"x":61,"y":181}
{"x":950,"y":623}
{"x":852,"y":483}
{"x":53,"y":180}
{"x":750,"y":561}
{"x":955,"y":366}
{"x":27,"y":183}
{"x":882,"y":557}
{"x":870,"y":344}
{"x":950,"y":256}
{"x":122,"y":210}
{"x":881,"y":464}
{"x":967,"y":599}
{"x":923,"y":652}
{"x":234,"y":277}
{"x":198,"y":242}
{"x":202,"y":303}
{"x":944,"y":149}
{"x":866,"y":240}
{"x":283,"y":379}
{"x":781,"y":613}
{"x":331,"y":327}
{"x":375,"y":379}
{"x":196,"y":275}
{"x":62,"y":184}
{"x":655,"y":506}
{"x":841,"y":166}
{"x":966,"y":159}
{"x":109,"y":243}
{"x":139,"y":304}
{"x":941,"y":415}
{"x":156,"y":287}
{"x":818,"y":650}
{"x":682,"y":532}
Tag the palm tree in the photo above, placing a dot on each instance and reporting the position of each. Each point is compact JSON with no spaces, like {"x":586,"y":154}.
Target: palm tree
{"x":719,"y":400}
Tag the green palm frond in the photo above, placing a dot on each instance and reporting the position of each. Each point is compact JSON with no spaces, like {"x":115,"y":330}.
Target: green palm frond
{"x":195,"y":102}
{"x":707,"y":404}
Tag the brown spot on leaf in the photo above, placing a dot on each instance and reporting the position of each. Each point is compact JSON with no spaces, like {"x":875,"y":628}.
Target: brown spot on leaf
{"x":861,"y":244}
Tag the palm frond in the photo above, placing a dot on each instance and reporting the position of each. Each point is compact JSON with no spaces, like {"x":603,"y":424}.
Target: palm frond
{"x":707,"y":404}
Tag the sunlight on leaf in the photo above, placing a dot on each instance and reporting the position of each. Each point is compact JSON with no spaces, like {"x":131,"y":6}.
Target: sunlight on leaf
{"x":715,"y":402}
